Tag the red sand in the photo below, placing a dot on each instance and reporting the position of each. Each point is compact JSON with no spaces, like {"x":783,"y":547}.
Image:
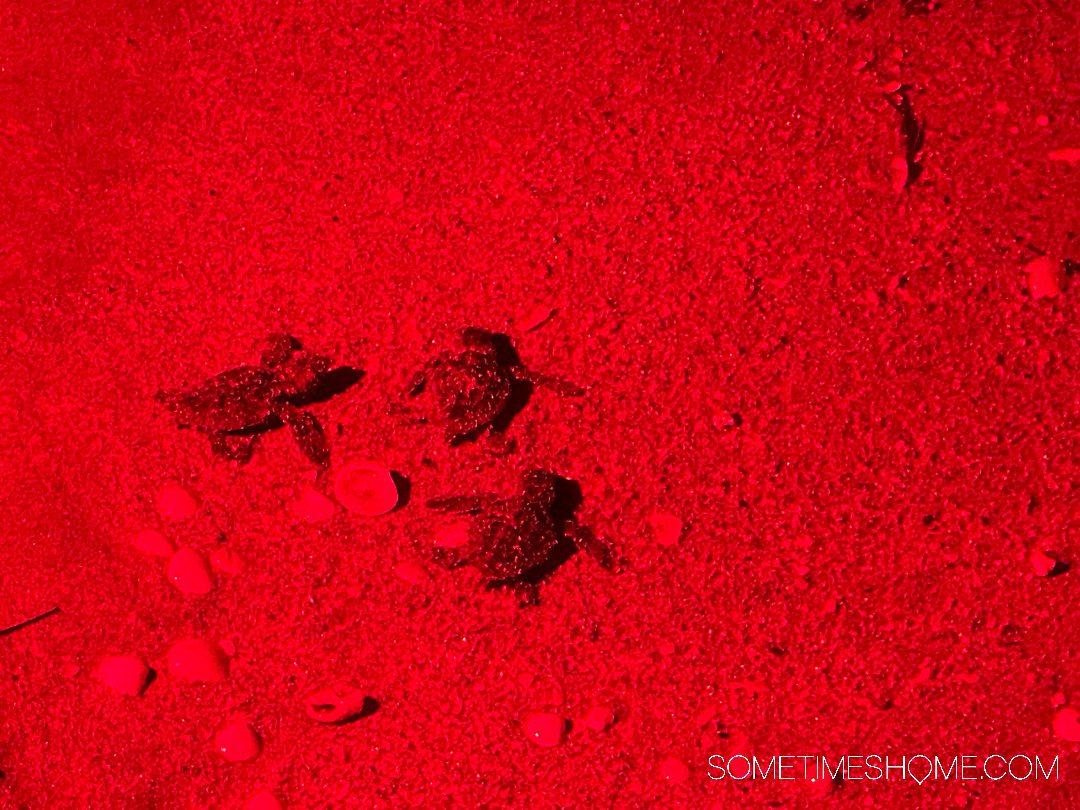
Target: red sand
{"x":826,"y":363}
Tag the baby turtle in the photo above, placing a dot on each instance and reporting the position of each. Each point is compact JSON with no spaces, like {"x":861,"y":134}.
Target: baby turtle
{"x":481,"y":387}
{"x":235,"y":406}
{"x":519,"y":540}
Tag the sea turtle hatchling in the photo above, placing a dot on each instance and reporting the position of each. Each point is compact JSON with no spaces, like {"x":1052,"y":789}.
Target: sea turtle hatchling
{"x":481,"y":386}
{"x":518,"y":540}
{"x":237,"y":405}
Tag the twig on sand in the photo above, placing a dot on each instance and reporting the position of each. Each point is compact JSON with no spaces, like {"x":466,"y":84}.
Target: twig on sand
{"x":26,"y":622}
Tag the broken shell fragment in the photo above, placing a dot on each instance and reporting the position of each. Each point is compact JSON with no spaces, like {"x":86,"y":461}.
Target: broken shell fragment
{"x":339,"y":705}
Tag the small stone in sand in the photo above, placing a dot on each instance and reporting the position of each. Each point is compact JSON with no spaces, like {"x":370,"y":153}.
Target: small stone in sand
{"x":666,"y":528}
{"x":535,"y":317}
{"x":238,"y":742}
{"x":674,"y":770}
{"x":1044,"y":277}
{"x":126,"y":674}
{"x":600,"y":718}
{"x":198,"y":660}
{"x":1042,"y":563}
{"x":189,"y":572}
{"x":545,"y":729}
{"x":1067,"y":724}
{"x":311,"y":506}
{"x":366,"y":488}
{"x":151,"y":541}
{"x":175,"y":503}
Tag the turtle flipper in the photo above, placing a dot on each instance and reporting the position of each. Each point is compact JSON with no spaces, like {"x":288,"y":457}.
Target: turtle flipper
{"x":556,"y":384}
{"x":309,"y":435}
{"x":592,"y":545}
